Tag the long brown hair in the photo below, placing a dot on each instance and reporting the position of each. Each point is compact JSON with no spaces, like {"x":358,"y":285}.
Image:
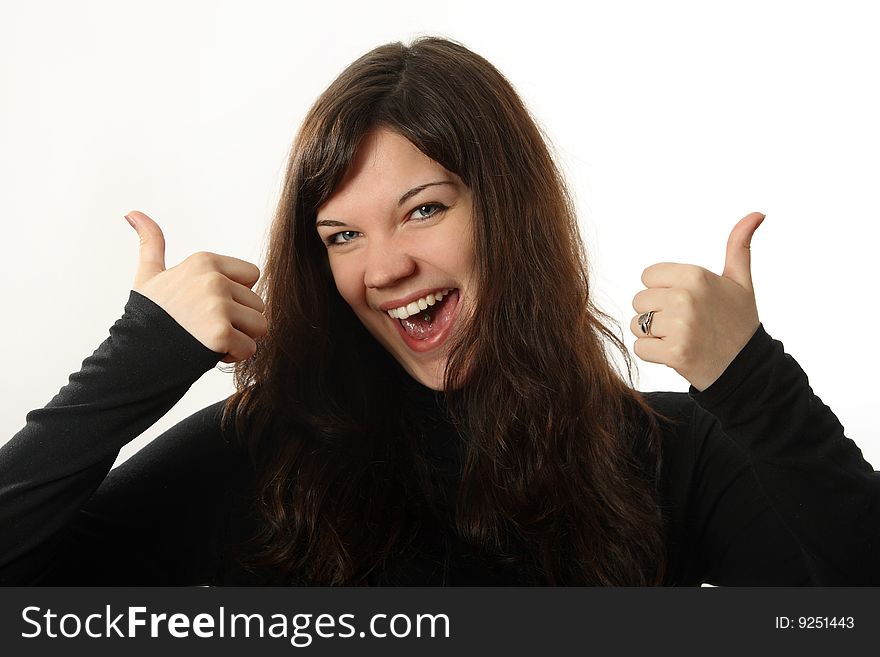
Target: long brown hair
{"x":560,"y":470}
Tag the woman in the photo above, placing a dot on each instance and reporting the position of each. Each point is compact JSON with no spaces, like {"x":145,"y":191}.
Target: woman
{"x":426,"y":395}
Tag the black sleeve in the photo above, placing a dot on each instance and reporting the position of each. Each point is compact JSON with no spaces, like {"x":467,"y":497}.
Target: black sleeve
{"x":779,"y":495}
{"x":55,"y":527}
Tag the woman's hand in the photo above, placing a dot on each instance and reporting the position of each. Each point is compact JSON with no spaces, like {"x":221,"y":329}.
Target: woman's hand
{"x":207,"y":294}
{"x":701,"y":320}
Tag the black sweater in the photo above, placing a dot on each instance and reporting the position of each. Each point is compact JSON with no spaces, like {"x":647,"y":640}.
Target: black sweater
{"x":760,"y":486}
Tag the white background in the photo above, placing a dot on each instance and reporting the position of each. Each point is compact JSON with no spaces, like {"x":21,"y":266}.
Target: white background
{"x":672,"y":120}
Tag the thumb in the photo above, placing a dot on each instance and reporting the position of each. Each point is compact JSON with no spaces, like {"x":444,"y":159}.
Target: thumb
{"x":738,"y":262}
{"x":151,"y":260}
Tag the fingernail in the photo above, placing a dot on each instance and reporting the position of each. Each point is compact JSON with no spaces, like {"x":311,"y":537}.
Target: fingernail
{"x":131,"y":222}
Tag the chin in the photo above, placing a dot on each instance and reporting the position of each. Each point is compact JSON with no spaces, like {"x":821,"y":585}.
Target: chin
{"x":433,"y":384}
{"x":429,"y":377}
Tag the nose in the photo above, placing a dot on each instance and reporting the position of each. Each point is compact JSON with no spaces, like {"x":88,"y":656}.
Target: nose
{"x":386,"y":264}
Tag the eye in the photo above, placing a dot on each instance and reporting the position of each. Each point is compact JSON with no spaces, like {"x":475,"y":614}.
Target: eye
{"x":345,"y":235}
{"x":427,"y":211}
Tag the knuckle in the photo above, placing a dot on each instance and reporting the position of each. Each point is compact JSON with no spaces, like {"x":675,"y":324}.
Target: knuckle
{"x":697,"y":278}
{"x":215,"y":282}
{"x":678,"y":354}
{"x":683,"y":329}
{"x":203,"y":260}
{"x":223,"y":334}
{"x":215,"y":308}
{"x":689,"y":326}
{"x":684,"y":297}
{"x":197,"y":258}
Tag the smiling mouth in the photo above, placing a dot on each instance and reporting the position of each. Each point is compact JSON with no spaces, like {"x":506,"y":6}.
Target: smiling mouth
{"x":429,"y":328}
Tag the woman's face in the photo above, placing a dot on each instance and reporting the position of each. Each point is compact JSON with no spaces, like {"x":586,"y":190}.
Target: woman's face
{"x":398,"y":232}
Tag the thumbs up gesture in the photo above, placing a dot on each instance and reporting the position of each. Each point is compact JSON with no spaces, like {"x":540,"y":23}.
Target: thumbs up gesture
{"x":209,"y":295}
{"x":700,"y":320}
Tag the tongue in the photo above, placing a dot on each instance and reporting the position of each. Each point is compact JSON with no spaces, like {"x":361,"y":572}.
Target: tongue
{"x":430,"y":321}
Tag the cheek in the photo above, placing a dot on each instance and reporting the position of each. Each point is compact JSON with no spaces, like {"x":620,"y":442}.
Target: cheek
{"x":452,"y":249}
{"x":349,"y":284}
{"x":465,"y":256}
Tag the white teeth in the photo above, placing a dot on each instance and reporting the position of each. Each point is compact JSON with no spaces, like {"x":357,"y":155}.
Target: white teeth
{"x":418,"y":305}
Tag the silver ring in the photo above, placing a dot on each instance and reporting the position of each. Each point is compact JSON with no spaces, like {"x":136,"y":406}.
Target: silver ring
{"x":645,"y":322}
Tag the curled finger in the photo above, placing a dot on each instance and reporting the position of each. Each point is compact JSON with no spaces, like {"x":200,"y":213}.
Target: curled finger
{"x":647,"y":325}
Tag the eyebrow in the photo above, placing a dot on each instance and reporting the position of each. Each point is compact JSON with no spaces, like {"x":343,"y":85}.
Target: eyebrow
{"x":416,"y":190}
{"x":403,"y":199}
